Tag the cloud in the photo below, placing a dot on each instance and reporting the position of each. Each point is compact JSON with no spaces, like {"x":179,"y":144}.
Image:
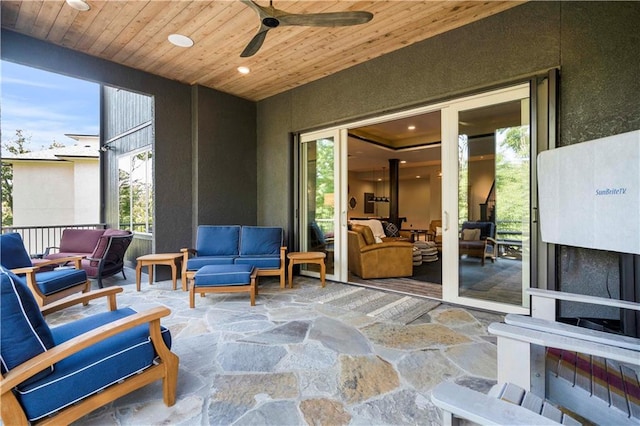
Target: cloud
{"x":31,"y":83}
{"x":43,"y":123}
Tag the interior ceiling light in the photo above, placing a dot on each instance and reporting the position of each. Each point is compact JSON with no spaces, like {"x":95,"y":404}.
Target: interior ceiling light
{"x":403,"y":162}
{"x":244,"y":70}
{"x":412,"y":127}
{"x":80,"y":5}
{"x":180,"y":40}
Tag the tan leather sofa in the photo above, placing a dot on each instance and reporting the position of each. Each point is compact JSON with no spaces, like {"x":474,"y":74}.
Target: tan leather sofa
{"x":368,"y":259}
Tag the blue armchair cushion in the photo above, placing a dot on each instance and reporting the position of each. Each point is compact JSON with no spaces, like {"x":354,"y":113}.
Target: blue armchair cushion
{"x":260,"y":262}
{"x":91,"y":369}
{"x":23,"y":330}
{"x":12,"y":251}
{"x":51,"y":282}
{"x":260,"y":240}
{"x":196,"y":263}
{"x":218,"y":240}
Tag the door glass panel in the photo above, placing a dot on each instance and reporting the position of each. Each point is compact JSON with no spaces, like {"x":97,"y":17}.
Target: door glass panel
{"x":494,"y":155}
{"x":319,"y":217}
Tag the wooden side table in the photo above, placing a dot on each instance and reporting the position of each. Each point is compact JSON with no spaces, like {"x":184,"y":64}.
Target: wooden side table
{"x":149,"y":260}
{"x":296,"y":258}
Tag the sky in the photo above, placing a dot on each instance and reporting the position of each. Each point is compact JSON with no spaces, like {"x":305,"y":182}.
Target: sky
{"x":45,"y":106}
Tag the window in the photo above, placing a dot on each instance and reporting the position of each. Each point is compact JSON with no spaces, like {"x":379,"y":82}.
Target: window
{"x":135,"y":185}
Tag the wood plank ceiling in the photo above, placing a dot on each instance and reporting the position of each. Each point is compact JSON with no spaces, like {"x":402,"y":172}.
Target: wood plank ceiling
{"x":134,"y":33}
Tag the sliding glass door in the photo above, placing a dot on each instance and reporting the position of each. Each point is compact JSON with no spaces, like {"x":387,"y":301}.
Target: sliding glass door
{"x":483,"y":193}
{"x":322,"y":203}
{"x":487,"y":180}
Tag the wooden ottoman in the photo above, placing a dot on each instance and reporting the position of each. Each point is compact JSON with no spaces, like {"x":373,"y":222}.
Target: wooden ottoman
{"x":223,"y":279}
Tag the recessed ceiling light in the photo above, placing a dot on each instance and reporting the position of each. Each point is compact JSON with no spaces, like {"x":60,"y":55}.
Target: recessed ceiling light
{"x":403,"y":162}
{"x":418,"y":177}
{"x":80,"y":5}
{"x":180,"y":40}
{"x":244,"y":70}
{"x":412,"y":127}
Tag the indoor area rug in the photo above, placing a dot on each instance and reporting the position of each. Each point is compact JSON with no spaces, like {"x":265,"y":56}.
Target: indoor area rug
{"x":391,"y":307}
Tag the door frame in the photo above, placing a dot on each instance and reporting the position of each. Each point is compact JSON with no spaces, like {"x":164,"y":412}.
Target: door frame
{"x":539,"y":272}
{"x":450,"y":214}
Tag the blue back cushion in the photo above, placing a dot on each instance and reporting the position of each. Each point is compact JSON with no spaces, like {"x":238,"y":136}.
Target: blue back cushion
{"x":218,"y":240}
{"x":260,"y":240}
{"x":12,"y":251}
{"x":23,"y":331}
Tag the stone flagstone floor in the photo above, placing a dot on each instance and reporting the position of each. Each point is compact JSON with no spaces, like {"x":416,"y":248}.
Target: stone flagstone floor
{"x":292,"y":361}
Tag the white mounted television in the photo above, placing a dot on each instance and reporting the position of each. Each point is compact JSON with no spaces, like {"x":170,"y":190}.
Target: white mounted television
{"x":589,"y":194}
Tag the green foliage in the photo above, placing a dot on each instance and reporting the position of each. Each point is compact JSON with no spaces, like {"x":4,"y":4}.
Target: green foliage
{"x":324,"y":178}
{"x":136,"y":192}
{"x":15,"y":146}
{"x":512,"y":178}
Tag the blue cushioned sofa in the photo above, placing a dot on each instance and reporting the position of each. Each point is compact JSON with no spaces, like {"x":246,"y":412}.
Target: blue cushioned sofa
{"x":259,"y":246}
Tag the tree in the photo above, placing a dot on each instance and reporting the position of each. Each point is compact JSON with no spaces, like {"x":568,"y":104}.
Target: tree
{"x":15,"y":146}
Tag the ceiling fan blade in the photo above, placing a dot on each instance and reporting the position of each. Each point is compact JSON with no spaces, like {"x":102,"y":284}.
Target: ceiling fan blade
{"x":261,"y":11}
{"x":332,"y":19}
{"x":256,"y":43}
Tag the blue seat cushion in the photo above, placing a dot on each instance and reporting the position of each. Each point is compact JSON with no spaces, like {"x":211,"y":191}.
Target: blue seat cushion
{"x":222,"y":275}
{"x":51,"y":282}
{"x":23,"y":330}
{"x":91,"y":369}
{"x":260,"y":262}
{"x":260,"y":240}
{"x":196,"y":263}
{"x":14,"y":255}
{"x":218,"y":240}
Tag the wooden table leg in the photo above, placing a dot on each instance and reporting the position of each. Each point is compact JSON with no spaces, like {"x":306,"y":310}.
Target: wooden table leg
{"x":174,"y":274}
{"x":138,"y":275}
{"x":323,"y":271}
{"x":150,"y":271}
{"x":291,"y":262}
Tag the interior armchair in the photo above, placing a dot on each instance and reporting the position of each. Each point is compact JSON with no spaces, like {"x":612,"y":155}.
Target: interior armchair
{"x":57,"y":375}
{"x":369,"y":259}
{"x":48,"y":285}
{"x":477,"y":239}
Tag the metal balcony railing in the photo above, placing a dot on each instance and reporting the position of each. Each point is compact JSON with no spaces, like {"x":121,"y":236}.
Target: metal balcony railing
{"x":38,"y":238}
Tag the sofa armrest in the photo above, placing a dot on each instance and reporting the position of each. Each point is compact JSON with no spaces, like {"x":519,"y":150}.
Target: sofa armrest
{"x":387,"y":245}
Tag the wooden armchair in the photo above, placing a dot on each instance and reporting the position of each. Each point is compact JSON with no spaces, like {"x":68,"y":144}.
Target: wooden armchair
{"x":591,"y":373}
{"x":48,"y":285}
{"x":57,"y":375}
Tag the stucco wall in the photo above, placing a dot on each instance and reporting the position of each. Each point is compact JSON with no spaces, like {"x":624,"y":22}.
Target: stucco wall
{"x":596,"y":45}
{"x":29,"y":198}
{"x":86,"y":200}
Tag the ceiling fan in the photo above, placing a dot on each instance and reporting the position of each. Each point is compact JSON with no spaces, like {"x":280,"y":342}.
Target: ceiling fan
{"x":270,"y":17}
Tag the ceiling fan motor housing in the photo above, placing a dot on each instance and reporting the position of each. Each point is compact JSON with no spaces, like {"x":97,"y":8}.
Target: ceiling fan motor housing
{"x":270,"y":22}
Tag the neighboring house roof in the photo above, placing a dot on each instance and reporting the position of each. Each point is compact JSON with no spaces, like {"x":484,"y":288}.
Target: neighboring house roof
{"x":82,"y":150}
